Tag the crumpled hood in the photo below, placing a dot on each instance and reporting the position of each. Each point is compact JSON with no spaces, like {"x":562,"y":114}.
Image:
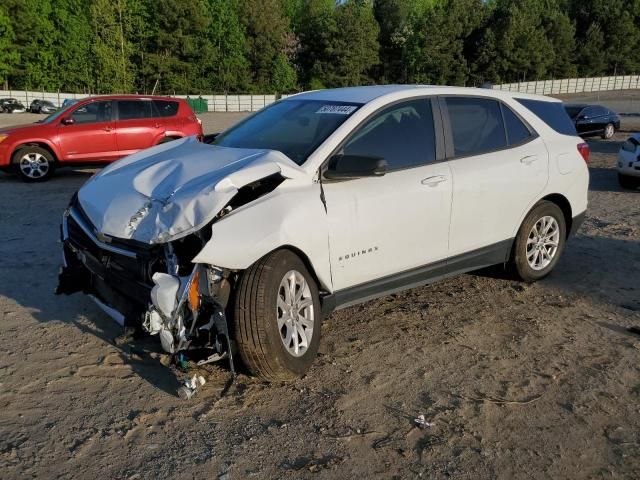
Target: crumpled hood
{"x":174,"y":189}
{"x":22,"y":128}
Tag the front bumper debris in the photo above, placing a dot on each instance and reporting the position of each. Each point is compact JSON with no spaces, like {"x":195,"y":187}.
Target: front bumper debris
{"x":131,"y":285}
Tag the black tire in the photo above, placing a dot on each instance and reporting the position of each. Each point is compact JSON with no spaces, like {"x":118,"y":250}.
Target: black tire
{"x":628,"y":182}
{"x":255,"y":324}
{"x":609,"y":131}
{"x":519,"y":263}
{"x":35,"y":152}
{"x":167,"y":140}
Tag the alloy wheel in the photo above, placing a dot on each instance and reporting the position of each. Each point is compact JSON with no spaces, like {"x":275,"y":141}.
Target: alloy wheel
{"x":542,"y":243}
{"x":295,"y":313}
{"x":34,"y":165}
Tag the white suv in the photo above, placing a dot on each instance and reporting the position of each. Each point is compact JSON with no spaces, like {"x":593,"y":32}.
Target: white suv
{"x":323,"y":200}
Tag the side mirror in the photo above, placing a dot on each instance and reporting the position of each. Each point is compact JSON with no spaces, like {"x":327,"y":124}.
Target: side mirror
{"x":344,"y":167}
{"x":68,"y":121}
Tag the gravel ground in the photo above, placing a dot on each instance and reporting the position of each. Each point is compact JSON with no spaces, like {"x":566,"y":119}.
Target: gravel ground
{"x":518,"y":381}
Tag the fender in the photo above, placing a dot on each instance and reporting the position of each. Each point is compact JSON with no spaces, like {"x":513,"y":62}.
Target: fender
{"x":21,"y":142}
{"x":292,"y":215}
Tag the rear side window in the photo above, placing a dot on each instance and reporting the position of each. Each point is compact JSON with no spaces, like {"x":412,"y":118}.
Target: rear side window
{"x":551,"y":113}
{"x":600,"y":111}
{"x":476,"y":125}
{"x":517,"y":131}
{"x":165,"y":108}
{"x":134,"y":109}
{"x":402,"y":134}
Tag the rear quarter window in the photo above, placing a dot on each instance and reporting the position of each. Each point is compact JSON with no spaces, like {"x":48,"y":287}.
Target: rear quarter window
{"x":551,"y":113}
{"x":166,"y":108}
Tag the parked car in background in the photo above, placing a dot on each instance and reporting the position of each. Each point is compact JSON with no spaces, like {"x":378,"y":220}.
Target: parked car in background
{"x":323,"y":200}
{"x":593,"y":120}
{"x":11,"y":105}
{"x":42,"y":106}
{"x":629,"y":163}
{"x":94,"y":130}
{"x":67,"y":102}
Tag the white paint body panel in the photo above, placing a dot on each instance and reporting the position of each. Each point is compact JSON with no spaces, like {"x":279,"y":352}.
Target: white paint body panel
{"x":629,"y":162}
{"x":384,"y":225}
{"x":492,"y":192}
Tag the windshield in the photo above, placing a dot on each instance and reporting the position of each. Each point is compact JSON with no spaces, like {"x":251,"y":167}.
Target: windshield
{"x":54,"y":116}
{"x":293,"y":127}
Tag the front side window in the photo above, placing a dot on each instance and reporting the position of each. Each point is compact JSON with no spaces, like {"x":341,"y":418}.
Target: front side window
{"x":99,"y":111}
{"x":517,"y":131}
{"x":476,"y":125}
{"x":293,"y":127}
{"x":134,"y":109}
{"x":402,"y":134}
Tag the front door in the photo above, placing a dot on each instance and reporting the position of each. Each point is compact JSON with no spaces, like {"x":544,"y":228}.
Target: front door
{"x":380,"y":226}
{"x":91,"y":136}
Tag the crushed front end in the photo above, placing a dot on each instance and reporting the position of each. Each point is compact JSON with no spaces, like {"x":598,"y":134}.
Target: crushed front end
{"x":150,"y":288}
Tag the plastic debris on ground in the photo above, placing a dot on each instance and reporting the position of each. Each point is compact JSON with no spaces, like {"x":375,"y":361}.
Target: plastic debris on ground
{"x":421,"y":421}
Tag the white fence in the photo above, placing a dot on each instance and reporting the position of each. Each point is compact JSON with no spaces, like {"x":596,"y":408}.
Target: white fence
{"x":574,"y":85}
{"x":215,"y":103}
{"x":251,"y":103}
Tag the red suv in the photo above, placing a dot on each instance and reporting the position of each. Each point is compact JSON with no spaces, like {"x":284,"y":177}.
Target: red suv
{"x":94,"y":130}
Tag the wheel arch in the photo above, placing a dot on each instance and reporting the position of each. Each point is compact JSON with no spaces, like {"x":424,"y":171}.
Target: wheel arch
{"x":307,"y":263}
{"x":37,"y":143}
{"x":563,"y":203}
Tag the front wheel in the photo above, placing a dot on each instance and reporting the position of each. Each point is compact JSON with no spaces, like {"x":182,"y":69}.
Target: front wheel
{"x":33,"y":164}
{"x":539,"y":242}
{"x":609,"y":130}
{"x":277,"y":317}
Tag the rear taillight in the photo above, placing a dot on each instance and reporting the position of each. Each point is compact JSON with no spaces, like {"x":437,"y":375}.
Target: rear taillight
{"x":583,"y":149}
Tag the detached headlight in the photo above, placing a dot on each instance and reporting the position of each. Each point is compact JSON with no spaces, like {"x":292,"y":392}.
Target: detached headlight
{"x":3,"y":136}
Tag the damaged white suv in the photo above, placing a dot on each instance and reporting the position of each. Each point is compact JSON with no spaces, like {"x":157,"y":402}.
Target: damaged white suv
{"x":320,"y":201}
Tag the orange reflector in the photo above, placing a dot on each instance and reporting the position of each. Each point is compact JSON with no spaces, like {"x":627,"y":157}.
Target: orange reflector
{"x":194,"y":295}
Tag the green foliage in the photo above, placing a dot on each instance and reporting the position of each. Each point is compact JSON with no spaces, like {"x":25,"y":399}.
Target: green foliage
{"x":9,"y":57}
{"x":244,"y":46}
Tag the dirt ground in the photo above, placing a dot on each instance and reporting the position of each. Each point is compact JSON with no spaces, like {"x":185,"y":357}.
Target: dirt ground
{"x":518,"y":381}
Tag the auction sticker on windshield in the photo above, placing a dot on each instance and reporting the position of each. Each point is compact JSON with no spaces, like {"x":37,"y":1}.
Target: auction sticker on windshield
{"x":337,"y":109}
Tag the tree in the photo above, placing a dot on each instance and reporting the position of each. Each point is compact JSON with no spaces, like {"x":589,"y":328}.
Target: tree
{"x":395,"y":31}
{"x":72,"y":45}
{"x":34,"y":34}
{"x":181,"y":50}
{"x":111,"y":49}
{"x":266,"y":30}
{"x":436,"y":49}
{"x":354,"y":47}
{"x":315,"y":29}
{"x":229,"y":69}
{"x":9,"y":58}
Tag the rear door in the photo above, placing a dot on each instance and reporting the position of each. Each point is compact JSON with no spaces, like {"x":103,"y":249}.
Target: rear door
{"x":91,"y":136}
{"x":137,"y":125}
{"x":499,"y":167}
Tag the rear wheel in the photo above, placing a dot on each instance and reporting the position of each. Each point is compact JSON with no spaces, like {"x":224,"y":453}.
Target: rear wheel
{"x":539,"y":242}
{"x":277,"y":317}
{"x":628,"y":182}
{"x":609,"y":130}
{"x":33,"y":164}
